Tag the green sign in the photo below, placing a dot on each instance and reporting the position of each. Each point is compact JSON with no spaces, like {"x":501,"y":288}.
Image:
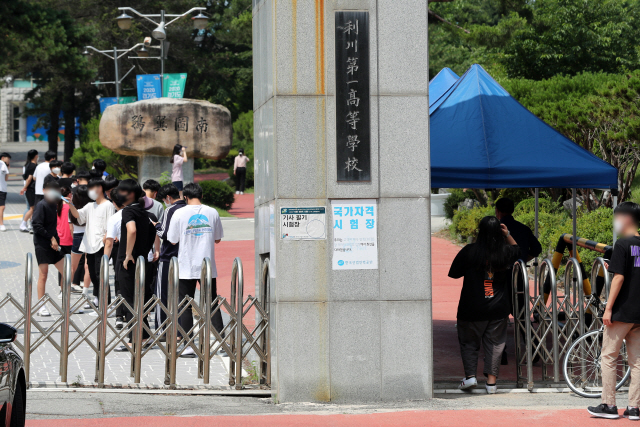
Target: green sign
{"x":127,"y":99}
{"x":173,"y":85}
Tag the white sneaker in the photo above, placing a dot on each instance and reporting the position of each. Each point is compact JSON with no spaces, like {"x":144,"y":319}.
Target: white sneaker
{"x":60,"y":295}
{"x":468,"y":383}
{"x":3,"y":228}
{"x":76,"y":289}
{"x":188,"y":352}
{"x":44,"y":312}
{"x":242,"y":192}
{"x":237,"y":192}
{"x":23,"y":227}
{"x":491,"y":389}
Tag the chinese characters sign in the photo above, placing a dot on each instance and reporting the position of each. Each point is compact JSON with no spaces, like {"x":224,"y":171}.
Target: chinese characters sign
{"x":353,"y":121}
{"x":303,"y":223}
{"x":173,"y":86}
{"x":355,"y":234}
{"x":148,"y":86}
{"x":162,"y":123}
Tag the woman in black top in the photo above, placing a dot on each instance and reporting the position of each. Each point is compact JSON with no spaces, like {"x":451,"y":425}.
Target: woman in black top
{"x":484,"y":306}
{"x":45,"y":237}
{"x":29,"y":189}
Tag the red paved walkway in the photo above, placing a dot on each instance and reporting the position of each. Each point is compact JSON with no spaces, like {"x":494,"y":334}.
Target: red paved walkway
{"x":226,"y":252}
{"x":209,"y":176}
{"x":473,"y":417}
{"x":243,"y":206}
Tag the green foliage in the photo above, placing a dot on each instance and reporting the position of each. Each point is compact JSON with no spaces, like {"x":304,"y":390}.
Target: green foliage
{"x":465,"y":222}
{"x":544,"y":205}
{"x":243,"y":131}
{"x":217,"y":193}
{"x":90,"y":149}
{"x":457,"y":196}
{"x":165,"y":178}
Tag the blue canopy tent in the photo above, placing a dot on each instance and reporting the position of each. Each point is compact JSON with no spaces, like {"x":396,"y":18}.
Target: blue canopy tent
{"x":481,"y":137}
{"x":440,"y":84}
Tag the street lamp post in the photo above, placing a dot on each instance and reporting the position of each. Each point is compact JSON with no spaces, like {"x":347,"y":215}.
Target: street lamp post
{"x":115,"y":55}
{"x":159,"y":33}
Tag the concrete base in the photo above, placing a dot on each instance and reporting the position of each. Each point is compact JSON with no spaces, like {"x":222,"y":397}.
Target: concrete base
{"x":152,"y":167}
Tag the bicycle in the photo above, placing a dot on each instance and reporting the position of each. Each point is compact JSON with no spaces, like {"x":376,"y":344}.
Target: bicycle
{"x":582,"y":369}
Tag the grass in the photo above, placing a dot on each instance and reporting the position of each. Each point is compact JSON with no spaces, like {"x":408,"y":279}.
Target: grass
{"x":635,"y":188}
{"x":223,"y":213}
{"x":213,"y":169}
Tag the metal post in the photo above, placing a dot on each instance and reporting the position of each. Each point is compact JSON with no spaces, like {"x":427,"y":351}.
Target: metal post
{"x":174,"y":283}
{"x":28,"y":290}
{"x":521,"y":268}
{"x":232,"y":337}
{"x":139,"y":307}
{"x":265,"y":369}
{"x":535,"y":261}
{"x":238,"y":274}
{"x":574,"y":214}
{"x":615,"y":204}
{"x":205,"y":303}
{"x":547,"y":267}
{"x":117,"y":72}
{"x":102,"y":328}
{"x":161,"y":57}
{"x":66,"y":302}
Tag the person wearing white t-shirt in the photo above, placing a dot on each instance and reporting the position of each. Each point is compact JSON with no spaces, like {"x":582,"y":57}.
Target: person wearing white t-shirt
{"x":94,"y":217}
{"x":42,"y":171}
{"x":112,"y":244}
{"x":5,"y":162}
{"x":197,"y":228}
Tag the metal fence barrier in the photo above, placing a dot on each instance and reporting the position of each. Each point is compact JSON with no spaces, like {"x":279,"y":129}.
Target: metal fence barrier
{"x":102,"y":337}
{"x":547,"y":322}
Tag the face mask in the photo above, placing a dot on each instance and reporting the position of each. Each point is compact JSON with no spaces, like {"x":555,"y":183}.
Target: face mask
{"x":618,"y":226}
{"x":93,"y":168}
{"x":93,"y":194}
{"x":74,"y":185}
{"x":56,"y":171}
{"x":52,"y":196}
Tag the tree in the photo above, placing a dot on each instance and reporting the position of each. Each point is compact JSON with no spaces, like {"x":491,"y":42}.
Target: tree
{"x":573,"y":36}
{"x":598,"y":111}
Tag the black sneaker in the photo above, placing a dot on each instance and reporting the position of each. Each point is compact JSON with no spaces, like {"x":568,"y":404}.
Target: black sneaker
{"x":632,"y":413}
{"x":603,"y":411}
{"x":119,"y":323}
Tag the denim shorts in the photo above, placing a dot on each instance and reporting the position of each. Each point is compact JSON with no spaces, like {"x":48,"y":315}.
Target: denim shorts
{"x":77,"y":239}
{"x":178,"y":185}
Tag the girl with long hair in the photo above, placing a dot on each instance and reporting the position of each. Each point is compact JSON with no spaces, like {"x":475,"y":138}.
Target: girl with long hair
{"x":64,"y":229}
{"x":79,"y":269}
{"x":29,"y":189}
{"x":178,"y":158}
{"x":485,"y":304}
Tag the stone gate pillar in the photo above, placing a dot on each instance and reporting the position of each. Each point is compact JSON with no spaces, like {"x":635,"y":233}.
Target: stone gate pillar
{"x":341,"y":128}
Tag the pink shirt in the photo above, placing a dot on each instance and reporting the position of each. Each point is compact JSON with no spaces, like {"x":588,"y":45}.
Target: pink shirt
{"x":64,"y":231}
{"x":240,"y":162}
{"x":176,"y":173}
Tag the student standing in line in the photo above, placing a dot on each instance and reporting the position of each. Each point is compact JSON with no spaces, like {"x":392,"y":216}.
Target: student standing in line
{"x":151,"y":188}
{"x":483,"y":310}
{"x":240,"y":170}
{"x":65,"y":235}
{"x":622,"y":315}
{"x":136,"y":239}
{"x":112,"y":246}
{"x":45,"y":237}
{"x":94,"y":216}
{"x":171,"y":197}
{"x":29,"y":189}
{"x":98,"y":170}
{"x":41,"y":172}
{"x":55,"y":168}
{"x":79,"y":199}
{"x":197,"y":228}
{"x":66,"y":175}
{"x":5,"y":163}
{"x":177,"y":159}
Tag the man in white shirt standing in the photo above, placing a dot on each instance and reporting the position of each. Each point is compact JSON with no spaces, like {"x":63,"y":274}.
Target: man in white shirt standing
{"x":42,"y":171}
{"x":94,"y":216}
{"x":5,"y":162}
{"x":197,"y":228}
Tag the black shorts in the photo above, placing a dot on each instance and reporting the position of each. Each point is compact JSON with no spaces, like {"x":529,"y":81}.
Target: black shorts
{"x":48,"y":256}
{"x":77,"y":239}
{"x":31,"y":196}
{"x":178,"y":185}
{"x":38,"y":198}
{"x":3,"y":198}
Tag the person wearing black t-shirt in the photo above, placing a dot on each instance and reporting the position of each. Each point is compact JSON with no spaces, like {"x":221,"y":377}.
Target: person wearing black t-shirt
{"x":622,"y":316}
{"x":484,"y":306}
{"x":137,"y":237}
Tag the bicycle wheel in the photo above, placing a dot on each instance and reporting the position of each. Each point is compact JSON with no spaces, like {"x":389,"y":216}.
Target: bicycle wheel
{"x":582,"y":370}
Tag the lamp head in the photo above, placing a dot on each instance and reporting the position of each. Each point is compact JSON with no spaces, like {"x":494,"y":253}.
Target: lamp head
{"x":200,"y":21}
{"x":86,"y":52}
{"x":143,"y":52}
{"x":124,"y":21}
{"x":159,"y":33}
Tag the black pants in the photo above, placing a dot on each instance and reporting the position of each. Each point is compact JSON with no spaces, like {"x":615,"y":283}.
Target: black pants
{"x":162,"y":290}
{"x":490,"y":334}
{"x":127,"y":284}
{"x":241,"y":177}
{"x":116,"y":284}
{"x":79,"y":274}
{"x":188,"y":287}
{"x":65,"y":250}
{"x":94,"y":261}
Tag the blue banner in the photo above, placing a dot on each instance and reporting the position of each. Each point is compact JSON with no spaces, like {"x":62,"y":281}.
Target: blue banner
{"x":105,"y":102}
{"x":149,"y":86}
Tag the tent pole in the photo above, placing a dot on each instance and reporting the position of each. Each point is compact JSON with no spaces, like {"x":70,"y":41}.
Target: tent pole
{"x":574,"y":214}
{"x":535,"y":261}
{"x":615,"y":204}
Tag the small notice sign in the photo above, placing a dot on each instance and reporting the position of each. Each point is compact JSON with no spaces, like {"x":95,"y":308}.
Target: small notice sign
{"x":303,"y":223}
{"x":355,"y":234}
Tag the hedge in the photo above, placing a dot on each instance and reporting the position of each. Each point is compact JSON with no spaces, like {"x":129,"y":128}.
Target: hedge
{"x":217,"y":193}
